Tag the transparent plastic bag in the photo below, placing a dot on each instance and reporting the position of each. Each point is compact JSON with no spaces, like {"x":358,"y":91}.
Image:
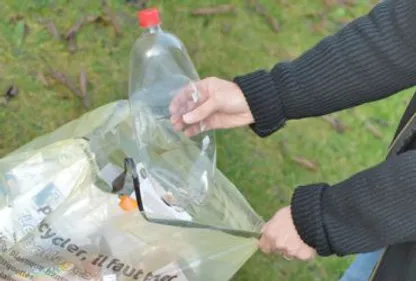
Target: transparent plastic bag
{"x":62,"y":219}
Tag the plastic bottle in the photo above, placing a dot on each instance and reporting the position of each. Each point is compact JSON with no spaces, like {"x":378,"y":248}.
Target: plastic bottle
{"x":160,"y":69}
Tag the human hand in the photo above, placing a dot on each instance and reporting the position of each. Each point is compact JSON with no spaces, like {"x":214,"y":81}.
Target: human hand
{"x":281,"y":236}
{"x":221,"y":104}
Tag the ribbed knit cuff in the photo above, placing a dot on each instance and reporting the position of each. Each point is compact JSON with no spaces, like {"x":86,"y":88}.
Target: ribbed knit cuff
{"x":307,"y":217}
{"x":264,"y":102}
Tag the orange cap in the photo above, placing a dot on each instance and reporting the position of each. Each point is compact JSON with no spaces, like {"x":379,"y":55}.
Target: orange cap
{"x":128,"y":204}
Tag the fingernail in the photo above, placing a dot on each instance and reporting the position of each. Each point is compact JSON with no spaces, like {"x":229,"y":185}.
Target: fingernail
{"x":187,"y":118}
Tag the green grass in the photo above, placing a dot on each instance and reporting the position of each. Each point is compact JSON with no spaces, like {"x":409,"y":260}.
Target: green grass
{"x":265,"y":175}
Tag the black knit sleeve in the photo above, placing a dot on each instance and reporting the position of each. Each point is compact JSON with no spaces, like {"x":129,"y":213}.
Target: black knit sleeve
{"x":369,"y":59}
{"x":371,"y":210}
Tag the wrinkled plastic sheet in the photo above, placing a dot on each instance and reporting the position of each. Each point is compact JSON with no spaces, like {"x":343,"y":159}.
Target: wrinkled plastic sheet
{"x":60,"y":221}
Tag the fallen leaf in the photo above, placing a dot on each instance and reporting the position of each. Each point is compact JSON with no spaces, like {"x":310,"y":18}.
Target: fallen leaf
{"x":70,"y":36}
{"x":335,"y":124}
{"x":380,"y":122}
{"x":273,"y":22}
{"x":107,"y":18}
{"x":72,"y":44}
{"x":92,"y":19}
{"x":112,"y":20}
{"x":83,"y":86}
{"x":270,"y":19}
{"x":11,"y":92}
{"x":15,"y":18}
{"x":63,"y":79}
{"x":260,"y":9}
{"x":50,"y":25}
{"x":140,"y":4}
{"x":308,"y":164}
{"x":215,"y":10}
{"x":373,"y":130}
{"x":75,"y":28}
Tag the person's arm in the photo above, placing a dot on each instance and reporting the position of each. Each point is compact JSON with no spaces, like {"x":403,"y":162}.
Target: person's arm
{"x":369,"y":59}
{"x":371,"y":210}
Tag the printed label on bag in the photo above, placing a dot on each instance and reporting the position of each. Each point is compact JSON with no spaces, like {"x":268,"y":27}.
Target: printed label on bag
{"x":111,"y":277}
{"x":172,"y":270}
{"x":39,"y":196}
{"x":45,"y":254}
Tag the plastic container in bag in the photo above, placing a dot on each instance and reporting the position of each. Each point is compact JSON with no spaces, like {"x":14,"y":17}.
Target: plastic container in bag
{"x":160,"y":69}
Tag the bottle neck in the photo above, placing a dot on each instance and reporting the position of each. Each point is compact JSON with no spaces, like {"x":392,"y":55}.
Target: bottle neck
{"x":153,"y":29}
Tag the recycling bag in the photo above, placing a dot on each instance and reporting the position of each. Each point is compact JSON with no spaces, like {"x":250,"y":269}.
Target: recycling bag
{"x":77,"y":204}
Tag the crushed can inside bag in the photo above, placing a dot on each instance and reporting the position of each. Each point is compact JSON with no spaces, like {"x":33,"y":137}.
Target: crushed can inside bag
{"x":115,"y":196}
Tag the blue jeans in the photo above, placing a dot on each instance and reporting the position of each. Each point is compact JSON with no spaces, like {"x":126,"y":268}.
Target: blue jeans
{"x":362,"y":267}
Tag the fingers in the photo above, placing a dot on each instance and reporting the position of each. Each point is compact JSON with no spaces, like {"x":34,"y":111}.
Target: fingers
{"x":305,"y":254}
{"x":178,"y":109}
{"x":299,"y":251}
{"x":268,"y":239}
{"x":177,"y":119}
{"x":265,"y":246}
{"x":188,"y":98}
{"x":201,"y":112}
{"x":190,"y":106}
{"x":280,"y":236}
{"x":196,"y":121}
{"x":202,"y":126}
{"x":182,"y":97}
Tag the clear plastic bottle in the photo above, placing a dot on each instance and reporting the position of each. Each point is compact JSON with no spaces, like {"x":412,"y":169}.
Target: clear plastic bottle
{"x":160,"y":69}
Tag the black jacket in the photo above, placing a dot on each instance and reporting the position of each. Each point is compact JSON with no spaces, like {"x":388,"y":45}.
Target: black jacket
{"x":371,"y":58}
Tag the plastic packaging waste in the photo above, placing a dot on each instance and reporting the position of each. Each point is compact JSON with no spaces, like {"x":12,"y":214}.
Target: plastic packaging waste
{"x":61,"y":220}
{"x":160,"y":70}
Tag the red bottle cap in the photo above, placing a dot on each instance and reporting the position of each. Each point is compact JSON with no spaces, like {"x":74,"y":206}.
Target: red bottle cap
{"x":148,"y":17}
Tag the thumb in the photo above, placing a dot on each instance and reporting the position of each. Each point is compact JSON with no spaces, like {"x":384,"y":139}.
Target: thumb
{"x":201,"y":112}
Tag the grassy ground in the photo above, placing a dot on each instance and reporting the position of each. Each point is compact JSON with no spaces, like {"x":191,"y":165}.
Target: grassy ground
{"x":222,"y":46}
